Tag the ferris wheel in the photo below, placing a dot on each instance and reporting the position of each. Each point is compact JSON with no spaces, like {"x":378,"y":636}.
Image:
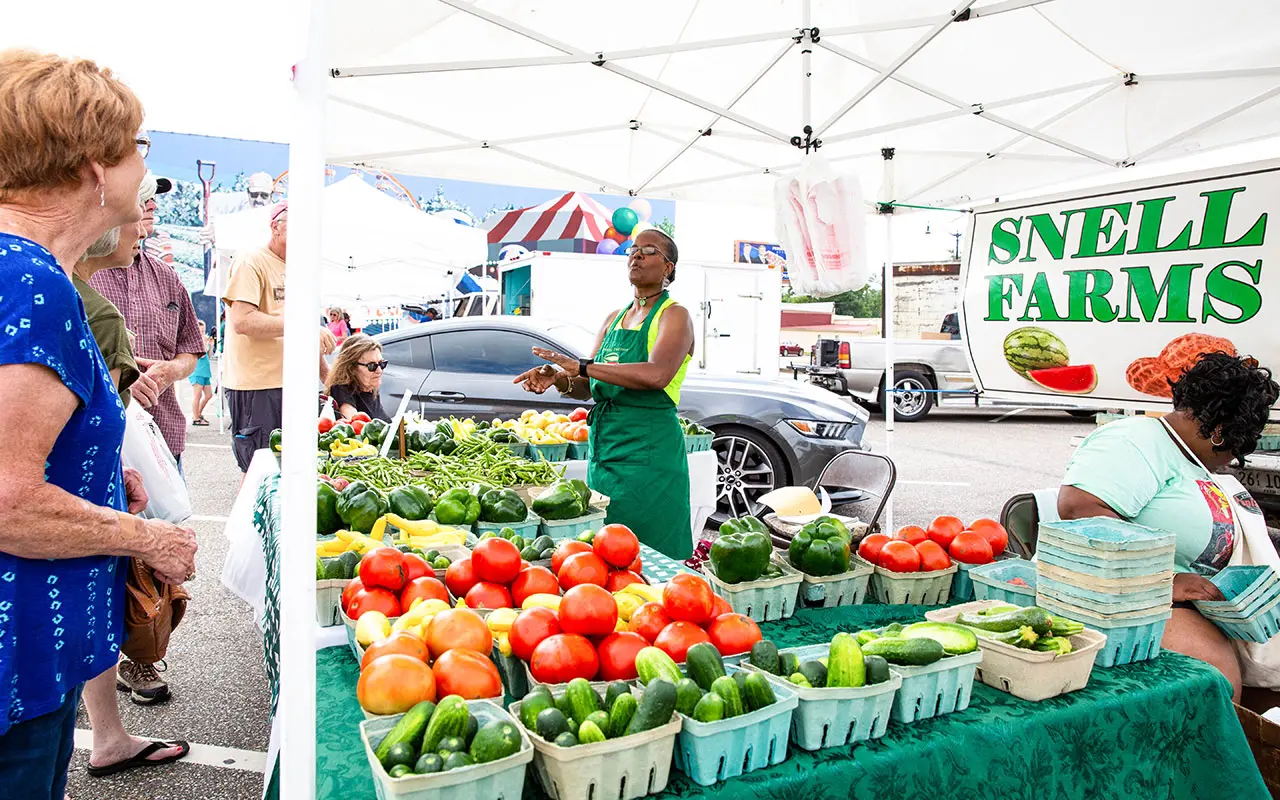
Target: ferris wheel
{"x":382,"y":181}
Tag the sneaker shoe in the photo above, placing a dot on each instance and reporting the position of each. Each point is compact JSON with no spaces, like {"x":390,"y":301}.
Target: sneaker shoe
{"x":142,"y":681}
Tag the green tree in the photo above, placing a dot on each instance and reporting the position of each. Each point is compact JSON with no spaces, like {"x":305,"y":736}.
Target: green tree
{"x":666,"y":226}
{"x":865,"y":303}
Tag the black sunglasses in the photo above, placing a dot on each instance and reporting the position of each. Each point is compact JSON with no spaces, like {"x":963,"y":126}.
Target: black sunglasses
{"x":374,"y":366}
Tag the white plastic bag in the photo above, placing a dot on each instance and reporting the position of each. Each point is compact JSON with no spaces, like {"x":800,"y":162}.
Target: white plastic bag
{"x":821,"y":223}
{"x":1259,"y":663}
{"x":145,"y":450}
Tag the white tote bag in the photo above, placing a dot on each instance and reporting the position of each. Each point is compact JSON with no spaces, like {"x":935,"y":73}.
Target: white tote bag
{"x":146,"y":451}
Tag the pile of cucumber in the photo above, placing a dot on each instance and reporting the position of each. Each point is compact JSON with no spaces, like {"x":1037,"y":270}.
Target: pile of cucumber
{"x":918,"y":644}
{"x":707,"y":693}
{"x":531,"y":549}
{"x":1029,"y":628}
{"x":845,"y":666}
{"x":582,"y":716}
{"x":433,"y":738}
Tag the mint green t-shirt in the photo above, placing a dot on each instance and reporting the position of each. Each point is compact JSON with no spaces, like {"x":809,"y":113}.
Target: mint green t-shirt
{"x":1134,"y":466}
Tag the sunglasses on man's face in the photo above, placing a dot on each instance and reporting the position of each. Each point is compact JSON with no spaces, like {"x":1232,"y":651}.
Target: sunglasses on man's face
{"x":374,"y":366}
{"x":259,"y":195}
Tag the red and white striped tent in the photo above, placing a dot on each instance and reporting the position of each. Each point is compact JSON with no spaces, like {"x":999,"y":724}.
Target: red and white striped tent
{"x":572,"y":223}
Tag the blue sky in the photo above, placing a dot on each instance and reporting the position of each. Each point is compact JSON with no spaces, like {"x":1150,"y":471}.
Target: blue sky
{"x":174,"y":155}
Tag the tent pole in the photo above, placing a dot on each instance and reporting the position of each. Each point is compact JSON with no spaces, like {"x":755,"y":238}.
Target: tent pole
{"x":297,"y":708}
{"x":886,"y":294}
{"x":806,"y":58}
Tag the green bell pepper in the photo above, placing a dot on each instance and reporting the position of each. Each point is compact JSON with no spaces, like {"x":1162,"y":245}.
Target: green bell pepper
{"x":502,"y":505}
{"x":444,"y":429}
{"x":821,"y":548}
{"x":584,"y":491}
{"x":326,"y":440}
{"x":559,"y":501}
{"x":343,"y":431}
{"x":503,"y":436}
{"x":411,"y":502}
{"x":327,"y":519}
{"x":375,"y":432}
{"x":457,"y":507}
{"x":437,"y":443}
{"x":743,"y":525}
{"x":360,"y":505}
{"x":276,"y":436}
{"x":741,"y":556}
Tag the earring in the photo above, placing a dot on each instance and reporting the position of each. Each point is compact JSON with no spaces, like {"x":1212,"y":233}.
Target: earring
{"x":102,"y":196}
{"x":1216,"y":440}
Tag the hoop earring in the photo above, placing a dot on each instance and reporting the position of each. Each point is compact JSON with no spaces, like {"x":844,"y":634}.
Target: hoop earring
{"x":1216,"y":440}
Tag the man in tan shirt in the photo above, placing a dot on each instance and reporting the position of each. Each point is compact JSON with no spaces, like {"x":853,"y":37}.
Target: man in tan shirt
{"x":253,"y":363}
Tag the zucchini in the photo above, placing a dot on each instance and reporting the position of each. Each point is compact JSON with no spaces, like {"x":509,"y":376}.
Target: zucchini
{"x":764,"y":655}
{"x":620,"y":713}
{"x":845,"y":665}
{"x":877,"y":669}
{"x":449,"y":719}
{"x":800,"y":680}
{"x":566,"y":739}
{"x":815,"y":673}
{"x":497,"y":739}
{"x":909,"y":652}
{"x":533,"y":704}
{"x":582,"y":700}
{"x":688,"y":694}
{"x":613,"y":692}
{"x":986,"y":612}
{"x":1061,"y":626}
{"x":428,"y":763}
{"x":551,"y":723}
{"x":457,"y":761}
{"x":709,"y":709}
{"x":727,"y":688}
{"x":955,"y":639}
{"x":1035,"y":618}
{"x":758,"y":693}
{"x":704,"y":665}
{"x":655,"y":708}
{"x":1058,"y":645}
{"x":788,"y":663}
{"x":1022,"y":637}
{"x":652,"y":664}
{"x":408,"y":730}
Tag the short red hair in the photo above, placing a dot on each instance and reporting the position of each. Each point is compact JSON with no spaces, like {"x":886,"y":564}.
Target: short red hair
{"x":57,"y":115}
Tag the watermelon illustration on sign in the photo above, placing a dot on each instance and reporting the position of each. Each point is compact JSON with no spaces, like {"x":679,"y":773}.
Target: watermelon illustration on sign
{"x":1077,"y":379}
{"x":1031,"y":348}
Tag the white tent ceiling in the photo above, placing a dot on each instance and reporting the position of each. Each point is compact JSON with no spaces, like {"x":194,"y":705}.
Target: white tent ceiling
{"x":978,"y":98}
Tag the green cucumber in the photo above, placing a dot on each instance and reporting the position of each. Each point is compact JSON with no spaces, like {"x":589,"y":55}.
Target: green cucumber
{"x":566,"y":739}
{"x":457,"y":761}
{"x":704,"y":664}
{"x":892,"y":629}
{"x":800,"y":680}
{"x":788,"y":663}
{"x":727,"y":688}
{"x":758,"y":693}
{"x":877,"y":669}
{"x":590,"y":733}
{"x":613,"y":692}
{"x":955,"y":639}
{"x":655,"y":708}
{"x":551,"y":723}
{"x":428,"y":763}
{"x":620,"y":713}
{"x":473,"y":727}
{"x":497,"y":739}
{"x":688,"y":694}
{"x":400,"y":770}
{"x":865,"y":636}
{"x":652,"y":664}
{"x":533,"y":704}
{"x":601,"y":719}
{"x":582,"y":700}
{"x":1035,"y":618}
{"x":400,"y":753}
{"x":709,"y":709}
{"x":408,"y":730}
{"x":815,"y":673}
{"x":562,"y":703}
{"x":764,"y":655}
{"x":845,"y":666}
{"x":909,"y":652}
{"x":449,"y":719}
{"x":740,"y":677}
{"x":451,"y":744}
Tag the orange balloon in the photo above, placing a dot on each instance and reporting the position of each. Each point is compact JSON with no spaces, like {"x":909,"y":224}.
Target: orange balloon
{"x":395,"y":683}
{"x":458,"y":627}
{"x":614,"y":235}
{"x":399,"y":642}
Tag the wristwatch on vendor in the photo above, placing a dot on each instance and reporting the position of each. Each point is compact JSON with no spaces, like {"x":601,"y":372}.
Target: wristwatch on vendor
{"x":583,"y":363}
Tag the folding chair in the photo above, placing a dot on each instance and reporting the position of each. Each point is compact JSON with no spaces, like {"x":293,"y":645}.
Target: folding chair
{"x":1021,"y":519}
{"x":870,"y":473}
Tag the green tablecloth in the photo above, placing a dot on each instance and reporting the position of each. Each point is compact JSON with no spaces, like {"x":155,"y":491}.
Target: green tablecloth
{"x":1160,"y":729}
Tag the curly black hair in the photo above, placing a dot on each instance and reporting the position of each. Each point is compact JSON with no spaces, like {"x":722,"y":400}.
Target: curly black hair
{"x":1229,"y":396}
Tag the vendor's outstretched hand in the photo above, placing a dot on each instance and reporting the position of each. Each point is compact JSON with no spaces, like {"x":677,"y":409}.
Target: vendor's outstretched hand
{"x":566,"y":363}
{"x":1189,"y":586}
{"x":538,"y":379}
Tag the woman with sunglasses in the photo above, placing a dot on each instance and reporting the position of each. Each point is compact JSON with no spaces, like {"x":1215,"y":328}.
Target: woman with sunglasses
{"x":356,"y":378}
{"x":1165,"y":473}
{"x":637,"y":444}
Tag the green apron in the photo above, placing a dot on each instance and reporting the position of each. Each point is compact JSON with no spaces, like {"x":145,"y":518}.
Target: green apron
{"x":637,"y":455}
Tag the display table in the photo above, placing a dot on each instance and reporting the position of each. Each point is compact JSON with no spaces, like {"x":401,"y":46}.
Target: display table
{"x":1163,"y":728}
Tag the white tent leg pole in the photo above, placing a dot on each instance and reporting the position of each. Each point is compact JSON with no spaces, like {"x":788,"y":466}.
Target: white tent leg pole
{"x":886,"y":294}
{"x":297,"y":708}
{"x":806,"y":58}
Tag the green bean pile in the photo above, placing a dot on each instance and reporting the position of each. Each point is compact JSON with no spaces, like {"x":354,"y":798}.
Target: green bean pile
{"x":476,"y":459}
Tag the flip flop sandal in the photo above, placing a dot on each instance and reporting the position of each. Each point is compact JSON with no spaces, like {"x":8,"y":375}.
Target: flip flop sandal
{"x":141,"y":759}
{"x":200,"y":421}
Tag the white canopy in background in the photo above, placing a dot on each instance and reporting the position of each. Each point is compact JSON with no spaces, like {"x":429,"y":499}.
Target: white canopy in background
{"x":373,"y":248}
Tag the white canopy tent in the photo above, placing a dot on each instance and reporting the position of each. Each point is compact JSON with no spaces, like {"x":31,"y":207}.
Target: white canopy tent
{"x":930,"y":103}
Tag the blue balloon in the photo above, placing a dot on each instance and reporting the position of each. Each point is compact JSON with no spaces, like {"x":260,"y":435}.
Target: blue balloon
{"x":607,"y":247}
{"x":622,"y":248}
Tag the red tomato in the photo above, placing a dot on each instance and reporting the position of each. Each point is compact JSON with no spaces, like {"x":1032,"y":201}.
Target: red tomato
{"x":339,"y":484}
{"x":581,"y":568}
{"x":870,"y":547}
{"x":578,"y":415}
{"x":488,"y":595}
{"x":944,"y":529}
{"x":620,"y":578}
{"x":357,"y":425}
{"x":377,"y":599}
{"x":395,"y":683}
{"x":359,"y":416}
{"x":399,"y":642}
{"x":326,"y":424}
{"x":415,"y":566}
{"x":993,"y":532}
{"x":637,"y":566}
{"x":971,"y":548}
{"x":349,"y":591}
{"x":688,"y":598}
{"x":468,"y":674}
{"x":534,"y":580}
{"x":911,"y":534}
{"x":564,"y":550}
{"x":900,"y":556}
{"x":460,"y":577}
{"x":383,"y":568}
{"x":589,"y":610}
{"x":563,"y":657}
{"x":458,"y":627}
{"x":733,"y":633}
{"x":618,"y":655}
{"x":617,"y":545}
{"x":719,"y":606}
{"x":532,"y":626}
{"x":648,"y":620}
{"x":496,"y":560}
{"x":932,"y":556}
{"x":676,"y":639}
{"x":426,"y":588}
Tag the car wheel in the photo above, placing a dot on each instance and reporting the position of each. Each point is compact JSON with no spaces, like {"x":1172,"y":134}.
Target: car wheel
{"x":913,"y":398}
{"x":749,"y":467}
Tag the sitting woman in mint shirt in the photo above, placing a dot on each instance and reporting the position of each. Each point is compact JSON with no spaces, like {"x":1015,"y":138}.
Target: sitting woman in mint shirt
{"x":1158,"y":473}
{"x":72,"y":165}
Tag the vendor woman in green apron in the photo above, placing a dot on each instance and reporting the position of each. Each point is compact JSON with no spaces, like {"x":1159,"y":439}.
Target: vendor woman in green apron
{"x":637,"y":444}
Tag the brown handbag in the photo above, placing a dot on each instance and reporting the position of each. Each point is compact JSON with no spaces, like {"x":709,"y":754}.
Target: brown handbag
{"x":152,"y":610}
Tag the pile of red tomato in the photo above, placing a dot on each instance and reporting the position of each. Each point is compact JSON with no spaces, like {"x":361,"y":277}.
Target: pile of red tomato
{"x":914,"y":549}
{"x":389,"y":581}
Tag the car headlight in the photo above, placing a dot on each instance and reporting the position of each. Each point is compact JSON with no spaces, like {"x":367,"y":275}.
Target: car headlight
{"x":818,"y":429}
